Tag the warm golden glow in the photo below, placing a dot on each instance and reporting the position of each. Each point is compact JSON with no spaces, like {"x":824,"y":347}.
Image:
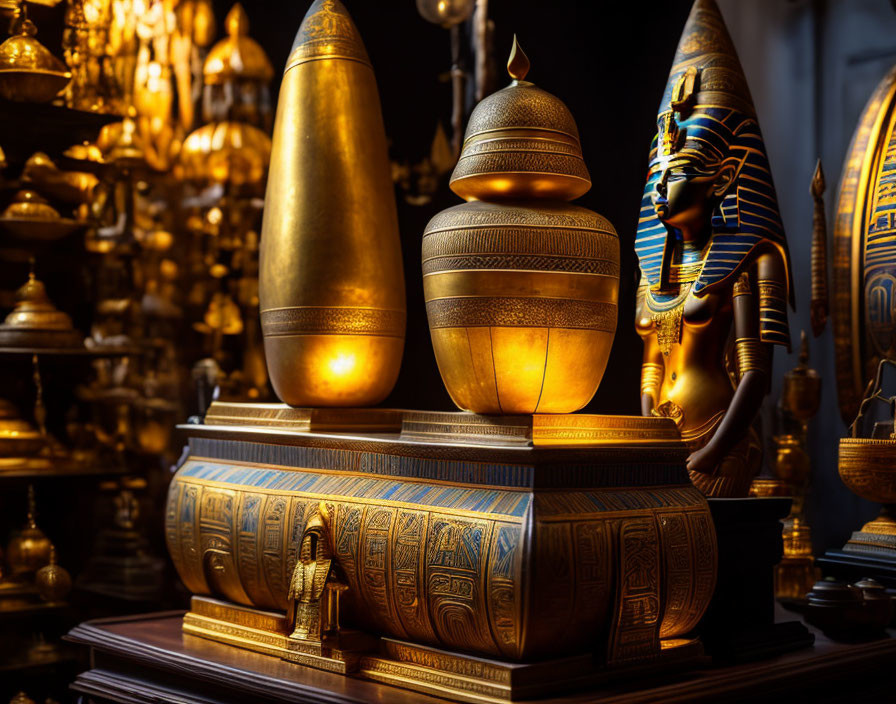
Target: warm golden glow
{"x":342,"y":364}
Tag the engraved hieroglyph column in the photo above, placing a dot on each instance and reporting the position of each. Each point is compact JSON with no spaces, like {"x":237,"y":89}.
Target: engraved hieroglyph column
{"x":331,"y":280}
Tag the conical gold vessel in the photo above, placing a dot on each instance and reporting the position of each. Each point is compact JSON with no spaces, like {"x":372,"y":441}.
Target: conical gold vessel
{"x":331,"y":282}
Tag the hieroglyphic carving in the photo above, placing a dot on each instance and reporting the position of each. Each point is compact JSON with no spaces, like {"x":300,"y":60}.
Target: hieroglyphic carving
{"x":273,"y":545}
{"x":453,"y":572}
{"x":635,"y":628}
{"x":503,"y":595}
{"x":679,"y":572}
{"x":456,"y":565}
{"x":216,"y":543}
{"x":248,"y":538}
{"x":374,"y":558}
{"x":172,"y":531}
{"x":188,"y":539}
{"x":409,"y":592}
{"x":594,"y":565}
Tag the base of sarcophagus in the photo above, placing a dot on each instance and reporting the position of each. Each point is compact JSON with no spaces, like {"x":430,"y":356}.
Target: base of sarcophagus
{"x":459,"y":676}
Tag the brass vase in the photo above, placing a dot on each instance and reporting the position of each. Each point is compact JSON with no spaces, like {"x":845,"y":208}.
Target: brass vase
{"x":331,"y":284}
{"x":521,"y":286}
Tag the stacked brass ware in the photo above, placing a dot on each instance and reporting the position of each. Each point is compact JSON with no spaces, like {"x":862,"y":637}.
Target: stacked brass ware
{"x":521,"y":286}
{"x":36,"y":323}
{"x":800,"y":399}
{"x":28,"y":71}
{"x":331,"y":281}
{"x":868,"y":468}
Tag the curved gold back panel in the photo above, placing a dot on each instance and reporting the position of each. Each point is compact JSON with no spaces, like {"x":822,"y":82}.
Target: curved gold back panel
{"x":864,"y":281}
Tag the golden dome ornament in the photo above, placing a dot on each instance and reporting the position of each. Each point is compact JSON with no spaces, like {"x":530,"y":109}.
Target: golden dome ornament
{"x":521,"y":142}
{"x":228,"y":152}
{"x":28,"y":71}
{"x":521,"y":287}
{"x":36,"y":323}
{"x":73,"y":187}
{"x":28,"y":549}
{"x":18,"y":438}
{"x":446,"y":13}
{"x":237,"y":56}
{"x":30,"y":205}
{"x":53,"y":582}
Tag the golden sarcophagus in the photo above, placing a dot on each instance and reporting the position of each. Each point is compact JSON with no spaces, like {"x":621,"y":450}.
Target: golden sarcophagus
{"x":452,"y":537}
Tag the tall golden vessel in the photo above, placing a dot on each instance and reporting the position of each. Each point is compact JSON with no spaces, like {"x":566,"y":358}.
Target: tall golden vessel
{"x":715,"y":278}
{"x":521,"y":286}
{"x":331,"y":281}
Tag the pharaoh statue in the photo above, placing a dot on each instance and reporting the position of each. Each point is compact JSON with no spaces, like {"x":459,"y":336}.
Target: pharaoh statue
{"x":715,"y":270}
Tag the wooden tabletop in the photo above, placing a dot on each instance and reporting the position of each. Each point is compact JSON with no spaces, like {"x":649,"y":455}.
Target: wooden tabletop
{"x":146,"y":658}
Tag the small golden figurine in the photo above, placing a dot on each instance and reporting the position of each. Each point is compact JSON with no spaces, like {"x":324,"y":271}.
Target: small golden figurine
{"x":314,"y":590}
{"x":714,"y":261}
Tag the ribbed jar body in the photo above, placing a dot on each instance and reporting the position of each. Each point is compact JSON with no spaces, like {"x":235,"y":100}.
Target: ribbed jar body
{"x":521,"y":299}
{"x":331,"y":284}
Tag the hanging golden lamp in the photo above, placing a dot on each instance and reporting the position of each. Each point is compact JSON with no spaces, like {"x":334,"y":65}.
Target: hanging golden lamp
{"x":120,"y":143}
{"x":29,"y":548}
{"x":36,"y":323}
{"x":228,"y":152}
{"x":18,"y":438}
{"x":237,"y":56}
{"x":30,"y":217}
{"x":29,"y":73}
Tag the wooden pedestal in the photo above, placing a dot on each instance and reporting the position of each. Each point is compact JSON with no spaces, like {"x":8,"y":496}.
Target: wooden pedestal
{"x":148,"y":659}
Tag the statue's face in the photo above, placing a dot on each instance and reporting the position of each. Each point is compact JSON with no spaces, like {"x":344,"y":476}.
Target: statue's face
{"x":683,"y":198}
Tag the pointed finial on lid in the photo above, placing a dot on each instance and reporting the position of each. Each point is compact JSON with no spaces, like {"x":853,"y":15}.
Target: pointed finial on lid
{"x":804,"y":349}
{"x":518,"y":63}
{"x":818,"y":184}
{"x":237,"y":21}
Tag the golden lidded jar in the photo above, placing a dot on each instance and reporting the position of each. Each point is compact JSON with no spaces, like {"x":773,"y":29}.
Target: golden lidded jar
{"x":331,"y":284}
{"x":521,"y":287}
{"x":521,"y":301}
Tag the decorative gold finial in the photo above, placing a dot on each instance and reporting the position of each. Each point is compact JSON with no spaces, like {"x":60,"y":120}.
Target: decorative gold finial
{"x":818,"y":184}
{"x":820,"y":302}
{"x":237,"y":21}
{"x":804,"y":349}
{"x":518,"y":64}
{"x":32,"y":508}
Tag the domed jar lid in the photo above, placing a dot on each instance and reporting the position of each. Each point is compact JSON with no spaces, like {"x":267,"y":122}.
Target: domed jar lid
{"x":521,"y":142}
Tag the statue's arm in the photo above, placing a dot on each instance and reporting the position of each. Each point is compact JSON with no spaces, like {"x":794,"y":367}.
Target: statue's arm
{"x":753,"y":364}
{"x":652,"y":371}
{"x":652,"y":366}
